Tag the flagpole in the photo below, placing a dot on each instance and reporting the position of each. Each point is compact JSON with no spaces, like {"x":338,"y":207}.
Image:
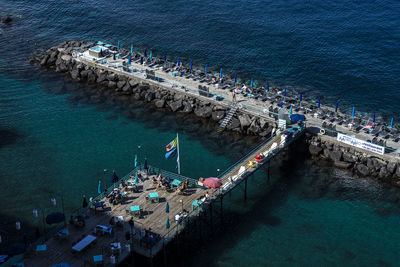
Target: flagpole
{"x":179,"y":160}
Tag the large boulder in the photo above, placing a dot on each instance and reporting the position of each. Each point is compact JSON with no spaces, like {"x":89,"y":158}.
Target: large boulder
{"x":263,"y":123}
{"x":102,"y":76}
{"x":349,"y":158}
{"x":112,"y":77}
{"x":336,"y":155}
{"x":43,"y":61}
{"x":254,"y":127}
{"x":342,"y":164}
{"x":244,"y":120}
{"x":133,"y":83}
{"x":391,"y":167}
{"x":91,"y":77}
{"x":112,"y":84}
{"x":149,"y":96}
{"x":127,"y":88}
{"x":159,"y":103}
{"x":315,"y":150}
{"x":175,"y":105}
{"x":235,"y":123}
{"x":398,"y":171}
{"x":362,"y":169}
{"x":203,"y":111}
{"x":75,"y":74}
{"x":121,"y":84}
{"x":218,"y":115}
{"x":383,"y":173}
{"x":187,"y":107}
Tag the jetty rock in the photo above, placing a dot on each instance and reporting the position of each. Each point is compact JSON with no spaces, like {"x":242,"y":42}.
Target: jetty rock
{"x":315,"y":150}
{"x":362,"y":169}
{"x":6,"y":19}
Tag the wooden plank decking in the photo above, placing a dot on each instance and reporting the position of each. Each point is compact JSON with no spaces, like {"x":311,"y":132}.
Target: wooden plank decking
{"x":153,"y":217}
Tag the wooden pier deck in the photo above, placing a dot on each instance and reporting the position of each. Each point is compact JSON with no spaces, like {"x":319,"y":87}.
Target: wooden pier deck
{"x":153,"y":218}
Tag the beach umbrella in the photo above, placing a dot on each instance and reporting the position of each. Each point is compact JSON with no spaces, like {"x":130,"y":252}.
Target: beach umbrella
{"x":136,"y":181}
{"x":205,"y":69}
{"x":220,"y":73}
{"x":145,"y":53}
{"x":391,"y":123}
{"x":129,"y":60}
{"x":151,"y":56}
{"x":55,"y":217}
{"x":84,"y":202}
{"x":336,"y":106}
{"x":136,"y":161}
{"x":118,"y":45}
{"x":167,"y":225}
{"x":354,"y":112}
{"x":191,"y":65}
{"x":373,"y":118}
{"x":145,"y":164}
{"x":99,"y":188}
{"x":179,"y":60}
{"x":267,"y":87}
{"x":165,"y":57}
{"x":251,"y":83}
{"x":291,"y":110}
{"x":141,"y":60}
{"x":235,"y":77}
{"x":301,"y":96}
{"x":101,"y":52}
{"x":284,"y":91}
{"x":212,"y":182}
{"x":100,"y":43}
{"x":167,"y":208}
{"x":132,"y":49}
{"x":113,"y":56}
{"x":319,"y":101}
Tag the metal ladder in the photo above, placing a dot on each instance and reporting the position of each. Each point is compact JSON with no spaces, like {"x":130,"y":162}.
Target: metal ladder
{"x":228,"y":117}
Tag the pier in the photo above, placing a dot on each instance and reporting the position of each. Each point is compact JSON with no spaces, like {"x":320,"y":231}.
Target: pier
{"x":145,"y":208}
{"x":150,"y":219}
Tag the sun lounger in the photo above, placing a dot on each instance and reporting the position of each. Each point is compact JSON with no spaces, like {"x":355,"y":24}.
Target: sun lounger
{"x":241,"y":171}
{"x":225,"y":186}
{"x":84,"y":243}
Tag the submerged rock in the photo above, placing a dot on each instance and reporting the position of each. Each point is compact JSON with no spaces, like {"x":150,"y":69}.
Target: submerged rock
{"x":314,"y":150}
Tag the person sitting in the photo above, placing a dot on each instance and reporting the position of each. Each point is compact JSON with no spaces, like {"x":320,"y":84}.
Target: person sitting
{"x":154,"y":179}
{"x":238,"y":90}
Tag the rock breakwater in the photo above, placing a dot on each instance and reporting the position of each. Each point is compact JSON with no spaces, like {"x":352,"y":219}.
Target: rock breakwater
{"x":60,"y":59}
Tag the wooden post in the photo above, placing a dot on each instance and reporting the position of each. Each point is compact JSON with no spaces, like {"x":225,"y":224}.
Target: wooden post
{"x":221,"y":211}
{"x":245,"y":189}
{"x":211,"y":219}
{"x":269,"y":165}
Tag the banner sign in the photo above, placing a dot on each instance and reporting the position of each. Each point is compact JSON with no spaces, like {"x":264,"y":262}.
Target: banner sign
{"x":361,"y":144}
{"x":282,"y":124}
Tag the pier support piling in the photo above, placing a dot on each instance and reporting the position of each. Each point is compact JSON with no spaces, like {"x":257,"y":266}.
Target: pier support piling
{"x":245,"y":189}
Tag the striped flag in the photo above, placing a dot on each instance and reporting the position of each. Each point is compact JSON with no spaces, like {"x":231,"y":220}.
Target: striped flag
{"x":173,"y":144}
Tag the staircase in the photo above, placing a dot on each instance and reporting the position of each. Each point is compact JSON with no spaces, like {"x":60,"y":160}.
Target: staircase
{"x":228,"y":117}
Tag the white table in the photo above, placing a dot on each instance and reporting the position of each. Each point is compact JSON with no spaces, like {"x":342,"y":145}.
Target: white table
{"x":81,"y":245}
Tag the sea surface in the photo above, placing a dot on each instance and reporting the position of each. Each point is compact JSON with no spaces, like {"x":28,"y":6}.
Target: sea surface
{"x":56,"y":139}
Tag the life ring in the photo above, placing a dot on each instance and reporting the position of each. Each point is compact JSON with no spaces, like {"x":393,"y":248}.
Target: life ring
{"x":240,"y":106}
{"x":74,"y":54}
{"x":265,"y":110}
{"x":322,"y":131}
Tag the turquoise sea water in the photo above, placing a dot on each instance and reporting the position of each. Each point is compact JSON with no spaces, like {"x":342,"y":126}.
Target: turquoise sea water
{"x":57,"y":138}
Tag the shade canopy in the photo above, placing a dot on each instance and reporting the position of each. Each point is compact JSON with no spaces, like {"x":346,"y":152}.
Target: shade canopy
{"x":212,"y":182}
{"x":55,"y":217}
{"x":297,"y":117}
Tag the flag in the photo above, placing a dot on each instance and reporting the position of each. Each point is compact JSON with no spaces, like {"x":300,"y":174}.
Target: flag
{"x":173,"y":144}
{"x":135,"y":161}
{"x":99,"y":188}
{"x":171,"y":153}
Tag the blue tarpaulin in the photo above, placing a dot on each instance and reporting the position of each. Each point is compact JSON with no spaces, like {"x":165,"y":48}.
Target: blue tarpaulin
{"x":297,"y":117}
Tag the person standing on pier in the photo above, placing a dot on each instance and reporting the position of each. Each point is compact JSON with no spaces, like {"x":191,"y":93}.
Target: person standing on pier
{"x":234,"y":97}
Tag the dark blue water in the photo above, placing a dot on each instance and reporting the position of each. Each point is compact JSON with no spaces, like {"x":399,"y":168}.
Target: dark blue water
{"x":56,"y":139}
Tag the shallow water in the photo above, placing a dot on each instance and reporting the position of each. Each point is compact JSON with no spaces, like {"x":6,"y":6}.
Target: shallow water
{"x":55,"y":137}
